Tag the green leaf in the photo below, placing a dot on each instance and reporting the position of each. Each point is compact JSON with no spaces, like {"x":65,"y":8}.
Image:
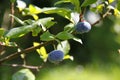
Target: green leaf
{"x":69,"y":27}
{"x":17,"y":19}
{"x":75,"y":17}
{"x":18,"y":32}
{"x":23,"y":74}
{"x":118,"y":4}
{"x":88,"y":2}
{"x":110,"y":1}
{"x":21,"y":31}
{"x":2,"y":31}
{"x":47,"y":22}
{"x":34,"y":9}
{"x":66,"y":13}
{"x":42,"y":51}
{"x":76,"y":3}
{"x":69,"y":57}
{"x":12,"y":1}
{"x":47,"y":36}
{"x":78,"y":40}
{"x":36,"y":31}
{"x":64,"y":35}
{"x":64,"y":46}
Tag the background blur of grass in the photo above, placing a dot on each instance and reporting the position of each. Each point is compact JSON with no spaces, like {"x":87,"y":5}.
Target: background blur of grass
{"x":78,"y":72}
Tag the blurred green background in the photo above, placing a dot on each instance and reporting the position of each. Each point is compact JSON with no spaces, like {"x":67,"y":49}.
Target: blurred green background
{"x":96,"y":59}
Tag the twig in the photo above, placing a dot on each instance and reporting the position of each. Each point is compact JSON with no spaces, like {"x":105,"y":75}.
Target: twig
{"x":16,"y":54}
{"x":25,"y":66}
{"x":12,"y":12}
{"x":105,"y":15}
{"x":82,"y":14}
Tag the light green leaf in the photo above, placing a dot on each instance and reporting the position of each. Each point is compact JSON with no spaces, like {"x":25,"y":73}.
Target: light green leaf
{"x":69,"y":57}
{"x":12,"y":1}
{"x":23,"y":74}
{"x":42,"y":51}
{"x":88,"y":2}
{"x":35,"y":16}
{"x":47,"y":36}
{"x":18,"y":20}
{"x":60,"y":11}
{"x":36,"y":31}
{"x":118,"y":4}
{"x":64,"y":46}
{"x":21,"y":5}
{"x":47,"y":22}
{"x":2,"y":31}
{"x":69,"y":27}
{"x":78,"y":40}
{"x":76,"y":3}
{"x":110,"y":1}
{"x":34,"y":9}
{"x":21,"y":31}
{"x":64,"y":35}
{"x":75,"y":17}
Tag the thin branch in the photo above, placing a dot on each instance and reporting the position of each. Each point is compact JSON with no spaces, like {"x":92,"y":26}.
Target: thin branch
{"x":105,"y":15}
{"x":16,"y":54}
{"x":82,"y":14}
{"x":25,"y":66}
{"x":12,"y":12}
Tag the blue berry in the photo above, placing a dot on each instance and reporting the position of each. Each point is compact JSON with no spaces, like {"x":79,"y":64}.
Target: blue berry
{"x":55,"y":56}
{"x":83,"y":27}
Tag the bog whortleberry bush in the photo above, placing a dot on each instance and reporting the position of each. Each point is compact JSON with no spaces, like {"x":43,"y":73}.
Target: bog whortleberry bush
{"x":55,"y":56}
{"x":83,"y":27}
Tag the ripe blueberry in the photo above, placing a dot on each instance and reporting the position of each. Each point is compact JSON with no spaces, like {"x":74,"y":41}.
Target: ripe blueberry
{"x":83,"y":27}
{"x":55,"y":56}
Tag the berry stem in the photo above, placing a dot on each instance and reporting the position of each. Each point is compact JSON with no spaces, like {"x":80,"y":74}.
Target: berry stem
{"x":82,"y":14}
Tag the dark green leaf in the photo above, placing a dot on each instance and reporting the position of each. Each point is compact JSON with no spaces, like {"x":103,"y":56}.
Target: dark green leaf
{"x":76,"y":3}
{"x":12,"y":1}
{"x":36,"y":31}
{"x":23,"y":74}
{"x":88,"y":2}
{"x":118,"y":5}
{"x":47,"y":36}
{"x":64,"y":35}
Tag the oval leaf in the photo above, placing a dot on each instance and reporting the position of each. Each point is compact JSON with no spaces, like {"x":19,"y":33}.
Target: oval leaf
{"x":19,"y":31}
{"x":88,"y":2}
{"x":47,"y":36}
{"x":60,"y":11}
{"x":42,"y":51}
{"x":64,"y":35}
{"x":23,"y":74}
{"x":64,"y":46}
